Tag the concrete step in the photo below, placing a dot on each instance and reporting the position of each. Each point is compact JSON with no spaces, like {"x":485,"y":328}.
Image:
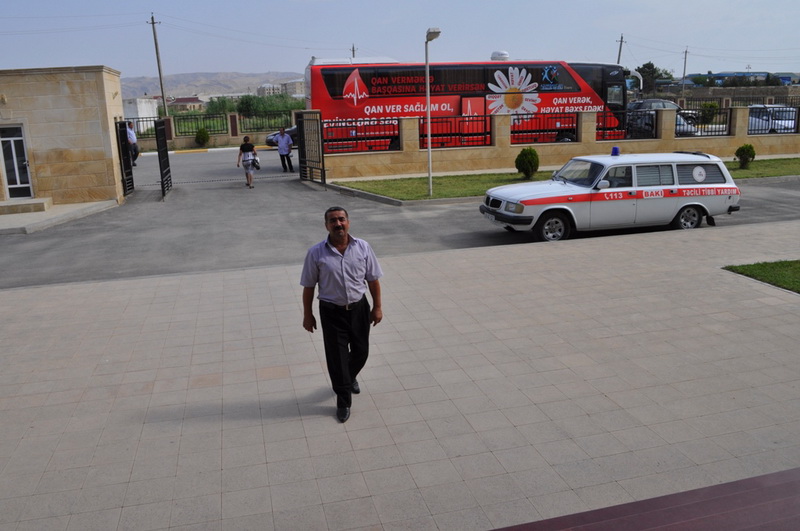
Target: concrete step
{"x":24,"y":206}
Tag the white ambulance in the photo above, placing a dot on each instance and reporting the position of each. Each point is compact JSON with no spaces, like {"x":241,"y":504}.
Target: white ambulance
{"x":617,"y":191}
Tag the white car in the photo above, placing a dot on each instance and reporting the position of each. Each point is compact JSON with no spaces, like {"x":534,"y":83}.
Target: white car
{"x":617,"y":191}
{"x":765,"y":119}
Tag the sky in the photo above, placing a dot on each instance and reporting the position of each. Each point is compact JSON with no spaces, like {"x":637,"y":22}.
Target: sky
{"x":281,"y":36}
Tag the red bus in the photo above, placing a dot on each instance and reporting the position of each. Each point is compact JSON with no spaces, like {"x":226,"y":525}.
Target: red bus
{"x":360,"y":99}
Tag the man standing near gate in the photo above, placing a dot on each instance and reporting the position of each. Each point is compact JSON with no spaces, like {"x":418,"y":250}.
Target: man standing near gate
{"x":132,"y":144}
{"x":345,"y":267}
{"x":284,"y":142}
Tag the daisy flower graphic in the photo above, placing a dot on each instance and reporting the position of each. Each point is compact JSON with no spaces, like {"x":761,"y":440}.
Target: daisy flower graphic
{"x":513,"y":94}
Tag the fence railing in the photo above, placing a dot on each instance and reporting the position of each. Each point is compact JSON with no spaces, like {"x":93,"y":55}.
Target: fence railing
{"x":468,"y":131}
{"x":270,"y":122}
{"x":544,"y":128}
{"x":144,"y":127}
{"x":772,"y":120}
{"x":189,"y":124}
{"x":345,"y":137}
{"x":712,"y":122}
{"x":456,"y":131}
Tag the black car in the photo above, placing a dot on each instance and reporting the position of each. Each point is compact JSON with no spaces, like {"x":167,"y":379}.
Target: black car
{"x":291,"y":131}
{"x":692,"y":117}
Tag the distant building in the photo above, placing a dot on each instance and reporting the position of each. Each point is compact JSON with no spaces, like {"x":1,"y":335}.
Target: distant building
{"x":787,"y":78}
{"x":294,"y":87}
{"x":189,"y":103}
{"x":134,"y":108}
{"x":268,"y":89}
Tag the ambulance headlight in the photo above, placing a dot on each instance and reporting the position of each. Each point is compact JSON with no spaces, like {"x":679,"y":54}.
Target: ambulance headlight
{"x":514,"y":208}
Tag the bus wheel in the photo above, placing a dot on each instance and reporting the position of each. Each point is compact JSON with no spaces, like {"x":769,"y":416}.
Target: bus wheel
{"x":552,"y":227}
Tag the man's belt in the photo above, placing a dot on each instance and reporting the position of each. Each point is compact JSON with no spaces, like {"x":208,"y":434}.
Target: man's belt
{"x":346,"y":307}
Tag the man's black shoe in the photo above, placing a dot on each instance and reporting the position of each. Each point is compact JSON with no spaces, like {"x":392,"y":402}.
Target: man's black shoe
{"x":355,"y":388}
{"x":343,"y":413}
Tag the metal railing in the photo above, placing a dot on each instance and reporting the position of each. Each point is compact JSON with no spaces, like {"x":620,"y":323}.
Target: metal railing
{"x":544,"y":128}
{"x":144,"y":127}
{"x":712,"y":122}
{"x":772,"y":120}
{"x":189,"y":124}
{"x":610,"y":125}
{"x":270,"y":122}
{"x":456,"y":131}
{"x":348,"y":137}
{"x":641,"y":124}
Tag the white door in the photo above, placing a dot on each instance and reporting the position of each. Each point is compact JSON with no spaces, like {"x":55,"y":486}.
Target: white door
{"x":658,"y":194}
{"x":15,"y":163}
{"x":615,"y":206}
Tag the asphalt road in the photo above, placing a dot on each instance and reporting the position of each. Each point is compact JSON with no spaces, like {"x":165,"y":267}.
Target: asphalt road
{"x":211,"y":221}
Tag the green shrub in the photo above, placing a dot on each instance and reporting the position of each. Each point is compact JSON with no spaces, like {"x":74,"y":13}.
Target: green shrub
{"x":527,"y":162}
{"x":708,"y":111}
{"x":744,"y":154}
{"x":202,"y":137}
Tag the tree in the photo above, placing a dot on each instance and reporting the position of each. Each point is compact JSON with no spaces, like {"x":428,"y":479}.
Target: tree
{"x":221,"y":105}
{"x":249,"y":106}
{"x":282,"y":102}
{"x":650,"y":73}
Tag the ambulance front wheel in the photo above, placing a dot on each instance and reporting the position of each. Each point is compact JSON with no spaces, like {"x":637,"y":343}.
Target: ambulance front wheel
{"x":552,"y":227}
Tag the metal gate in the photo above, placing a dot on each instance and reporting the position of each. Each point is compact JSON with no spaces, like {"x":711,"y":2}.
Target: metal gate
{"x":311,"y":158}
{"x":163,"y":157}
{"x":125,"y":157}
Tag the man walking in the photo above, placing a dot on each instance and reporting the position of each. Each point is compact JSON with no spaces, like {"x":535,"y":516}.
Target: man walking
{"x":133,"y":145}
{"x":285,"y":149}
{"x":344,"y":267}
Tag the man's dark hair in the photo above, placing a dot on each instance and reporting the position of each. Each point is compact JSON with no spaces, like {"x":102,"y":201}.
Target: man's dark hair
{"x":335,"y":209}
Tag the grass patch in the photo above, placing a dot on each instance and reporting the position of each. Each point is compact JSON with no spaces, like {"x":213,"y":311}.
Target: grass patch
{"x":446,"y":186}
{"x":785,"y":274}
{"x":765,"y":168}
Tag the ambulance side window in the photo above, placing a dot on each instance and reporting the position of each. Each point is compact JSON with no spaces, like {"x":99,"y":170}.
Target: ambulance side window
{"x":655,"y":175}
{"x":700,"y":173}
{"x":620,"y":176}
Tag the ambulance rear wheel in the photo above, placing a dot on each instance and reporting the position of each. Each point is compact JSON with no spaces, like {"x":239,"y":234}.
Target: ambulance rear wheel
{"x":689,"y":217}
{"x":552,"y":227}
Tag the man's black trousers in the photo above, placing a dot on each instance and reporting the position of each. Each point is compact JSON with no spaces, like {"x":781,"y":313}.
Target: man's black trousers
{"x":345,"y":333}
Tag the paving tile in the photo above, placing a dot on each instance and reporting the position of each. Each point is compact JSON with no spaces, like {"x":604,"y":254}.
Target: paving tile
{"x":220,"y":416}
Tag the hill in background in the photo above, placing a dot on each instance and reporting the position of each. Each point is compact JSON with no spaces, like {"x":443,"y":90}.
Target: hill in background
{"x":208,"y":83}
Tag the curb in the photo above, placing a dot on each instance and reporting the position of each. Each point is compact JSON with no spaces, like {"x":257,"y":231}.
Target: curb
{"x":352,"y":192}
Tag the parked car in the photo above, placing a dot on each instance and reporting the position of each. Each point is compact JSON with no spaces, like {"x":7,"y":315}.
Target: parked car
{"x":291,"y":131}
{"x":691,"y":116}
{"x":617,"y":191}
{"x":641,"y":124}
{"x":766,"y":119}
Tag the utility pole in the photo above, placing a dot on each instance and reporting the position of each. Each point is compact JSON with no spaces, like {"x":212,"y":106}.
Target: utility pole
{"x":353,"y":50}
{"x":683,"y":79}
{"x":158,"y":60}
{"x":619,"y":53}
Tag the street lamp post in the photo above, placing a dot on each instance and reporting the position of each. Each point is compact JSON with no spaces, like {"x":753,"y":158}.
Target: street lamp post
{"x":431,"y":34}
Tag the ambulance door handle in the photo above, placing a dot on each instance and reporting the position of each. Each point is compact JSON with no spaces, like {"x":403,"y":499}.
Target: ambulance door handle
{"x":632,"y":192}
{"x":673,"y":191}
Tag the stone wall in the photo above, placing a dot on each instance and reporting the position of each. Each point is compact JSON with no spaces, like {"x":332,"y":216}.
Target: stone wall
{"x":412,"y":160}
{"x":67,"y":116}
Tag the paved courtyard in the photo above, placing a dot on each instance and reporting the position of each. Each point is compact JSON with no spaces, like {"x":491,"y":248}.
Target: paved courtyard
{"x":506,"y":385}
